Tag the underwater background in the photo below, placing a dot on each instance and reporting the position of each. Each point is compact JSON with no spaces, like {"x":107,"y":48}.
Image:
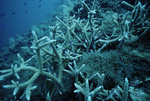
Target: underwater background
{"x":75,"y":50}
{"x":18,"y":16}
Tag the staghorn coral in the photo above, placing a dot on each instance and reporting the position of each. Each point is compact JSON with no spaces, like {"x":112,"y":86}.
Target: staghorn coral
{"x":37,"y":46}
{"x":93,"y":33}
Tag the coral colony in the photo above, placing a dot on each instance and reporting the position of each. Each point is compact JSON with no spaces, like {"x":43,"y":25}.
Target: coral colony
{"x":87,"y":55}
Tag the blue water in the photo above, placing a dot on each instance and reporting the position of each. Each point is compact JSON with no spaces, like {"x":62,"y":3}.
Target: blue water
{"x":18,"y":16}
